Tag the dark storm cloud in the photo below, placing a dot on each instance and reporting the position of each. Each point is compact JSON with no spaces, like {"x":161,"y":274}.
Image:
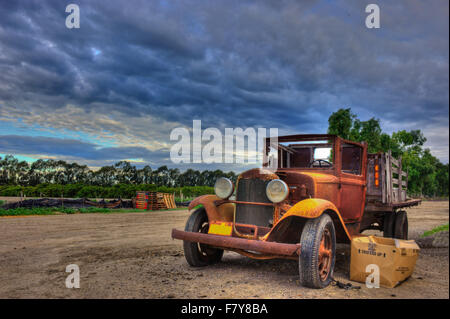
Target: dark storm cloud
{"x":285,"y":64}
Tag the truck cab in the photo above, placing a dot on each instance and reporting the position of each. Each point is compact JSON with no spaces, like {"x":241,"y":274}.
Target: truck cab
{"x":325,"y":167}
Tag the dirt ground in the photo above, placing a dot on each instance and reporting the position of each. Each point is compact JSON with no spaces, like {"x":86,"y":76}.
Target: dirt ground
{"x":131,"y":255}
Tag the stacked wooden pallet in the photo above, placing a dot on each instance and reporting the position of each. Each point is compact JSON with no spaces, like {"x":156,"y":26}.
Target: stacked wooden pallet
{"x":142,"y":200}
{"x":169,"y":200}
{"x":154,"y":200}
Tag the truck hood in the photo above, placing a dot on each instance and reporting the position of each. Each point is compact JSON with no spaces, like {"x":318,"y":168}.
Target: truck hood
{"x":305,"y":184}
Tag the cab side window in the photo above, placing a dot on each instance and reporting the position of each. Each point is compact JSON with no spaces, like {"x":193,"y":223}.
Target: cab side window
{"x":351,"y":159}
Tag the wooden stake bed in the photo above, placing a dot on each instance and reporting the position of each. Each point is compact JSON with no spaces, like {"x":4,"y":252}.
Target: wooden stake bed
{"x":387,"y":184}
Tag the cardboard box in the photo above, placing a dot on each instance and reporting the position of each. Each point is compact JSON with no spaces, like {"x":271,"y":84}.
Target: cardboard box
{"x":395,"y":258}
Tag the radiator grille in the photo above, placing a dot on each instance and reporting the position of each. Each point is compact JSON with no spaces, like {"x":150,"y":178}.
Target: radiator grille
{"x":253,"y":190}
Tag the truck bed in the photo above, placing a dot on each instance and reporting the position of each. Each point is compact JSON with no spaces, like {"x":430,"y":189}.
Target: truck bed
{"x":387,"y":184}
{"x":377,"y":206}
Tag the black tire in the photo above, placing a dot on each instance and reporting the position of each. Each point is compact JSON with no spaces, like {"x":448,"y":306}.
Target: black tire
{"x":199,"y":255}
{"x":388,"y":224}
{"x":314,"y":271}
{"x":401,"y":225}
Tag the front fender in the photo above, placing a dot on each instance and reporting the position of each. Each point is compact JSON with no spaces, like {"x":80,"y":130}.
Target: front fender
{"x":223,"y":213}
{"x":290,"y":225}
{"x":310,"y":208}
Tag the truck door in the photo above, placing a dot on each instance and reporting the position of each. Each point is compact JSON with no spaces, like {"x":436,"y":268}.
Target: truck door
{"x":352,"y":181}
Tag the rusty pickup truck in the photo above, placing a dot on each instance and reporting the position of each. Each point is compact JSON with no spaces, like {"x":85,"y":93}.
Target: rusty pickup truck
{"x":324,"y":190}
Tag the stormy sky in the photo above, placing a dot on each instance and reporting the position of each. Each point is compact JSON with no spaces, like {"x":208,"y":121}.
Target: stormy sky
{"x":115,"y":88}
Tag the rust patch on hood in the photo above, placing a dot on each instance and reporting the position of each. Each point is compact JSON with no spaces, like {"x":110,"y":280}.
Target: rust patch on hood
{"x":260,"y":173}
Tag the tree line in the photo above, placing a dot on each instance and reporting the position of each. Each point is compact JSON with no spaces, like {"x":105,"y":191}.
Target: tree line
{"x":427,"y":176}
{"x":92,"y":191}
{"x":22,"y":173}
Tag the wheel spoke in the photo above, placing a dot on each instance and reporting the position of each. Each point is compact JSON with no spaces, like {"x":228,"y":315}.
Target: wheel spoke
{"x":326,"y":252}
{"x":325,"y":255}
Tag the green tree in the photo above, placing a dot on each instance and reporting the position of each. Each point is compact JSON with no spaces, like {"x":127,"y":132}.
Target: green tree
{"x":341,"y":122}
{"x":345,"y":124}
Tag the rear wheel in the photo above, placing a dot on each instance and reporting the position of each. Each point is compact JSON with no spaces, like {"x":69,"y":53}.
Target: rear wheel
{"x":197,"y":254}
{"x":396,"y":225}
{"x":389,"y":223}
{"x":401,"y":225}
{"x":318,"y":252}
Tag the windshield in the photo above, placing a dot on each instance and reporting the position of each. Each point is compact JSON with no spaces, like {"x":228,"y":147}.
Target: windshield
{"x":304,"y":154}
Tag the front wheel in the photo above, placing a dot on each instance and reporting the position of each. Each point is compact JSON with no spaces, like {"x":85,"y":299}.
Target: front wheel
{"x":197,"y":254}
{"x":318,"y":252}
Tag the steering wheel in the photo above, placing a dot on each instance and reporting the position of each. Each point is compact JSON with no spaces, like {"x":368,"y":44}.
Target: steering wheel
{"x":320,"y":163}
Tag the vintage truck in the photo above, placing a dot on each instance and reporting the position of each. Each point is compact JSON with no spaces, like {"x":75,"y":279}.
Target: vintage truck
{"x":323,"y":190}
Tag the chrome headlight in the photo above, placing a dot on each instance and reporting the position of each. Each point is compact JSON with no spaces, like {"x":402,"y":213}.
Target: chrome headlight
{"x":277,"y":190}
{"x":223,"y":187}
